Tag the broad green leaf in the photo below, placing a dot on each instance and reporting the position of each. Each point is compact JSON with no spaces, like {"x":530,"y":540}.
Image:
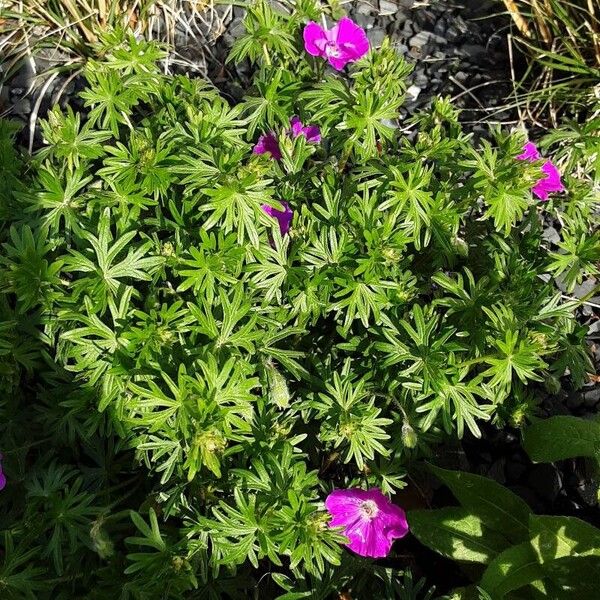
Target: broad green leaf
{"x":575,"y":577}
{"x":457,"y":534}
{"x":499,"y":508}
{"x":516,"y":567}
{"x":562,"y":437}
{"x":560,"y":537}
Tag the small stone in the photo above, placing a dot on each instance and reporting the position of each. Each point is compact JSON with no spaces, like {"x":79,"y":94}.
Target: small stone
{"x":452,"y":34}
{"x":592,"y":397}
{"x":388,"y":8}
{"x":515,"y":470}
{"x":413,"y":92}
{"x":546,"y":481}
{"x":421,"y":39}
{"x":22,"y":107}
{"x":237,"y":29}
{"x":588,"y":490}
{"x":364,"y":21}
{"x":585,"y":288}
{"x":408,"y":29}
{"x":440,"y":27}
{"x":376,"y":37}
{"x":551,"y":235}
{"x":364,"y":9}
{"x":475,"y":51}
{"x":401,"y":49}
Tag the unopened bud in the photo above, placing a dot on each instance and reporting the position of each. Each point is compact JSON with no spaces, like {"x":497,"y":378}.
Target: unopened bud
{"x":552,"y":384}
{"x":409,"y":436}
{"x":278,"y":389}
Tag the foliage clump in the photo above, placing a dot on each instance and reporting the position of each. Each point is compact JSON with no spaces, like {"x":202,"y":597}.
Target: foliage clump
{"x":248,"y":372}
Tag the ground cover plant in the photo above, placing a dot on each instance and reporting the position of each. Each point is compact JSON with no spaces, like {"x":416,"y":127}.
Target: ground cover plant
{"x":226,"y":326}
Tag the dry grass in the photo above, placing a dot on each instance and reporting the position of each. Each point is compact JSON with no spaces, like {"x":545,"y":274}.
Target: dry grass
{"x":562,"y":39}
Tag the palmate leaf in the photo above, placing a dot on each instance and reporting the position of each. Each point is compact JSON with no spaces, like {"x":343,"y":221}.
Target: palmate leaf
{"x":236,"y":206}
{"x":272,"y":104}
{"x":218,"y":259}
{"x":68,"y":141}
{"x":410,"y":199}
{"x":516,"y":357}
{"x":31,"y":277}
{"x":458,"y":401}
{"x":104,"y":274}
{"x":18,"y":574}
{"x":267,"y":36}
{"x":366,"y":122}
{"x":227,"y":325}
{"x":351,"y":420}
{"x":143,"y":161}
{"x":578,"y":256}
{"x":505,"y":207}
{"x":360,"y":300}
{"x":60,"y":197}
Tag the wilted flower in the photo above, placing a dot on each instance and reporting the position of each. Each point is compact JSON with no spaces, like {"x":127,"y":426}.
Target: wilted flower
{"x":268,"y":143}
{"x":283,"y":216}
{"x":312,"y":133}
{"x":2,"y":475}
{"x":345,"y":42}
{"x":551,"y":181}
{"x":371,"y":522}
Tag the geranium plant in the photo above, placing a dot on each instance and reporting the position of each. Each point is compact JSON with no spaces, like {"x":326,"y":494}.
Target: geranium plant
{"x":271,"y":301}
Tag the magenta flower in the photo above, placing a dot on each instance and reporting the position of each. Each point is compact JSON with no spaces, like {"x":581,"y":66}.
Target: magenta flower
{"x":345,"y":42}
{"x":371,"y":522}
{"x":2,"y":475}
{"x":551,"y":181}
{"x":312,"y":133}
{"x":268,"y":143}
{"x":283,"y":216}
{"x":530,"y":152}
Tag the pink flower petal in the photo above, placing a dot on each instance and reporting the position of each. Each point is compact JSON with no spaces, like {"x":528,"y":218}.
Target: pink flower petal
{"x":296,"y":126}
{"x":267,"y":143}
{"x":530,"y":152}
{"x":284,"y":217}
{"x":338,"y":62}
{"x":548,"y":184}
{"x":352,"y":39}
{"x":315,"y":39}
{"x":312,"y":133}
{"x":371,"y":522}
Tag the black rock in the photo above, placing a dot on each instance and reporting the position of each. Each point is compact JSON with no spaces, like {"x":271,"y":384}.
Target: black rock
{"x":545,"y":480}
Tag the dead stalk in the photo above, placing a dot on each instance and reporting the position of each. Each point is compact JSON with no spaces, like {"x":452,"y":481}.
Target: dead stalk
{"x":517,"y":17}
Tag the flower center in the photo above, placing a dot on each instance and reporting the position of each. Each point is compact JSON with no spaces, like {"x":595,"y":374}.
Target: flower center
{"x":369,"y":509}
{"x":332,"y":49}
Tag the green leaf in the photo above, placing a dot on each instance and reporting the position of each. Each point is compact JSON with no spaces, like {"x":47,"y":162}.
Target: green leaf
{"x":560,"y":537}
{"x":457,"y":534}
{"x":575,"y":577}
{"x":514,"y":568}
{"x":561,"y":437}
{"x":499,"y":508}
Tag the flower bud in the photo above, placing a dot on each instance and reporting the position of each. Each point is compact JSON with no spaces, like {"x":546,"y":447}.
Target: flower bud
{"x":409,"y":436}
{"x":278,"y":389}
